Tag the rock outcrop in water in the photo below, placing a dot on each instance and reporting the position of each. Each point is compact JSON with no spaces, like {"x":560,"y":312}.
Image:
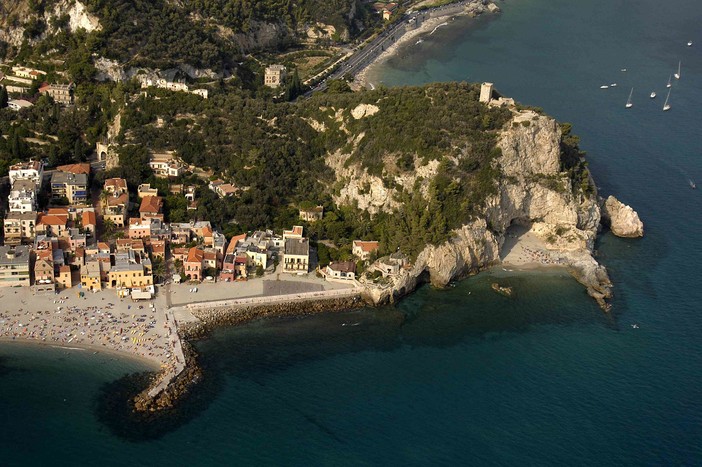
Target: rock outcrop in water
{"x":622,"y":220}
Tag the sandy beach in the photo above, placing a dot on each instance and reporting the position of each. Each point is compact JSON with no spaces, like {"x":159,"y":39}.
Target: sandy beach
{"x":443,"y":16}
{"x":98,"y":322}
{"x":426,"y":27}
{"x":104,"y":323}
{"x":523,"y":249}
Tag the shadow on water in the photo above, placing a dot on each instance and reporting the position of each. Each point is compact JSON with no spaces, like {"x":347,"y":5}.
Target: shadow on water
{"x":113,"y":409}
{"x":466,"y":313}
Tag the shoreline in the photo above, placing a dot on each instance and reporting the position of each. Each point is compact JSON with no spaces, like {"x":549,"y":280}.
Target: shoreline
{"x":121,"y":354}
{"x":426,"y":27}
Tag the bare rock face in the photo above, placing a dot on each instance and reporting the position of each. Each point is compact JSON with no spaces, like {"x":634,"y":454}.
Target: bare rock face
{"x":533,"y":192}
{"x":622,"y":219}
{"x":530,"y":145}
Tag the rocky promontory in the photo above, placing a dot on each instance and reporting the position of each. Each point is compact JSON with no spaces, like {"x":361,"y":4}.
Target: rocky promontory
{"x":535,"y":191}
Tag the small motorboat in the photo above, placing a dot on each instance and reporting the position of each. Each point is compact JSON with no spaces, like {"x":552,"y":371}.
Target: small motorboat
{"x":653,"y":94}
{"x":692,"y":184}
{"x":604,"y":86}
{"x":613,"y":85}
{"x":623,"y":70}
{"x":689,"y":43}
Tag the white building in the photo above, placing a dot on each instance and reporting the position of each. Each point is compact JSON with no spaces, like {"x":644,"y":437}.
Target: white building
{"x":18,"y":104}
{"x":22,"y":196}
{"x":341,"y":271}
{"x":32,"y":170}
{"x":166,"y":165}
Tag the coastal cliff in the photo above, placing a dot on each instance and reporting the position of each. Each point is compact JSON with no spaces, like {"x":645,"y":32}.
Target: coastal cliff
{"x":535,"y":191}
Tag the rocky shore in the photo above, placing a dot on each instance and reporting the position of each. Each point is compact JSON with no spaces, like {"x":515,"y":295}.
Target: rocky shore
{"x":178,"y":388}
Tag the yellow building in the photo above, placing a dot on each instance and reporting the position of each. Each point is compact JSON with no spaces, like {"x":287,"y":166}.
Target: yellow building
{"x":90,"y":275}
{"x":130,"y":271}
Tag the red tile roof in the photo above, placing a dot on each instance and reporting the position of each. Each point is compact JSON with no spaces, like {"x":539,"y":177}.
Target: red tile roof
{"x":89,"y":218}
{"x":367,"y":247}
{"x":75,"y":168}
{"x":151,"y":204}
{"x":47,"y":219}
{"x":195,"y":255}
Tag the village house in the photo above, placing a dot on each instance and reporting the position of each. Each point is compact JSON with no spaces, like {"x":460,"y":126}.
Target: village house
{"x":296,"y":255}
{"x":234,"y":268}
{"x":139,"y":228}
{"x":73,"y":187}
{"x":341,"y":271}
{"x":76,"y":239}
{"x":115,"y":186}
{"x":391,"y":265}
{"x":90,"y":275}
{"x":145,"y":190}
{"x":312,"y":214}
{"x":22,"y":196}
{"x":296,"y":232}
{"x":19,"y":227}
{"x":223,"y":189}
{"x":32,"y":170}
{"x":363,"y":249}
{"x":151,"y":207}
{"x":158,"y":249}
{"x":114,"y":207}
{"x":64,"y":278}
{"x":52,"y":225}
{"x":193,"y":264}
{"x":166,"y":165}
{"x":44,"y":272}
{"x":180,"y":254}
{"x":60,"y":93}
{"x":14,"y":266}
{"x":27,"y":73}
{"x":131,"y":270}
{"x":211,"y":261}
{"x":89,"y":222}
{"x":81,"y":168}
{"x":275,"y":76}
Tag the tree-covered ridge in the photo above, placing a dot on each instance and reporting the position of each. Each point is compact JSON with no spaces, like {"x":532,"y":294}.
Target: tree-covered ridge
{"x":166,"y":33}
{"x":199,"y":32}
{"x":275,"y":153}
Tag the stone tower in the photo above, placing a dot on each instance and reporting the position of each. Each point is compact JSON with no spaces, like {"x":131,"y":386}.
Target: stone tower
{"x":486,"y":92}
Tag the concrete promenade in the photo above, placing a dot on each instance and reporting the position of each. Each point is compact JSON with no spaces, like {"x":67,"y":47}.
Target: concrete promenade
{"x":298,"y":297}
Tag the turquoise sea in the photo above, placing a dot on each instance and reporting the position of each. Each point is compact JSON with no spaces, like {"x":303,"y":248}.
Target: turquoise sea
{"x":464,"y":376}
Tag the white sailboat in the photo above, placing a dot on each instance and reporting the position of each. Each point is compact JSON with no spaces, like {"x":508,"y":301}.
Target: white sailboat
{"x":669,"y":83}
{"x":653,"y":94}
{"x":677,"y":75}
{"x":666,"y":106}
{"x":628,"y":101}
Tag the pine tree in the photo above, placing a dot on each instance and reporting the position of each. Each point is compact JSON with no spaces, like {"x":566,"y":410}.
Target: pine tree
{"x":3,"y":97}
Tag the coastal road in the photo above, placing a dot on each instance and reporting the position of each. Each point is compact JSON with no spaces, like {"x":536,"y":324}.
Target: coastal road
{"x":365,"y":54}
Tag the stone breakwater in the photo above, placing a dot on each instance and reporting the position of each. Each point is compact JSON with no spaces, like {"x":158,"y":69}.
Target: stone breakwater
{"x":234,"y":316}
{"x":163,"y":394}
{"x":175,"y":390}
